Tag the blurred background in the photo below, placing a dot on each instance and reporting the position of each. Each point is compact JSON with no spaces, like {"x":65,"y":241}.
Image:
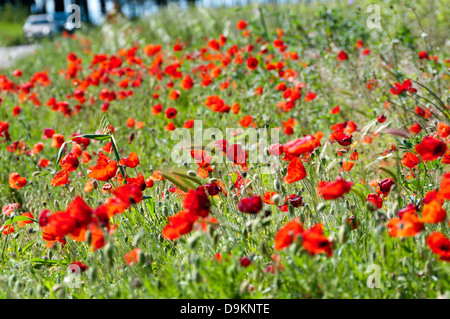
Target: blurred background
{"x":14,"y":13}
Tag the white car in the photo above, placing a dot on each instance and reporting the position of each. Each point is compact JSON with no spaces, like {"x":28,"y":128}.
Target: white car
{"x":40,"y":25}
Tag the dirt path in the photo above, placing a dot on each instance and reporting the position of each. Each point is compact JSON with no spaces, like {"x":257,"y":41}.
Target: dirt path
{"x":10,"y":54}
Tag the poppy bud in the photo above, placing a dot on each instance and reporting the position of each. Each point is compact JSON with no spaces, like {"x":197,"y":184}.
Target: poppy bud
{"x":137,"y":238}
{"x":213,"y":180}
{"x":291,"y":210}
{"x":277,"y":185}
{"x":166,"y":193}
{"x":245,"y":287}
{"x":193,"y":240}
{"x":276,"y":199}
{"x":263,"y":248}
{"x":165,"y":211}
{"x":192,"y":173}
{"x":56,"y":203}
{"x":35,"y":174}
{"x":109,"y":252}
{"x":11,"y":280}
{"x":141,"y":257}
{"x":95,"y":184}
{"x":343,"y":231}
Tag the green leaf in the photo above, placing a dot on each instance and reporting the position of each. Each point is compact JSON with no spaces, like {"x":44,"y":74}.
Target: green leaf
{"x":49,"y":261}
{"x":17,"y":219}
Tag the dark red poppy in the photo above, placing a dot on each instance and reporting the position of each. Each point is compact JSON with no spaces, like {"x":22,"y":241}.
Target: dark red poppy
{"x":196,"y":202}
{"x":342,"y":138}
{"x":250,"y":205}
{"x":431,"y":148}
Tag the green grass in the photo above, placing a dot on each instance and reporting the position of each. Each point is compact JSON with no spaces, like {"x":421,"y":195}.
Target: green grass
{"x":186,"y":268}
{"x":11,"y":34}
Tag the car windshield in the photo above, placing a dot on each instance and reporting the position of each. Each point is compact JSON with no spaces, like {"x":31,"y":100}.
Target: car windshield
{"x":39,"y":22}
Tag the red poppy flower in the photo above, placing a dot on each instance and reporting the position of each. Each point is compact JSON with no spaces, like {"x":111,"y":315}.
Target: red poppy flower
{"x":57,"y":140}
{"x":9,"y":208}
{"x":48,"y":133}
{"x":342,"y":138}
{"x":410,"y":208}
{"x":189,"y":123}
{"x":315,"y":242}
{"x":406,"y":226}
{"x":60,"y":178}
{"x":347,"y":166}
{"x":381,"y":118}
{"x":267,"y":197}
{"x":246,"y":121}
{"x":250,"y":205}
{"x":16,"y":181}
{"x":287,"y":234}
{"x":415,"y":128}
{"x":431,"y":148}
{"x":423,"y":55}
{"x":236,"y":154}
{"x":310,"y":96}
{"x":212,"y":188}
{"x":410,"y":160}
{"x":197,"y":203}
{"x":333,"y":190}
{"x":375,"y":200}
{"x":276,"y":149}
{"x":187,"y":83}
{"x":302,"y":145}
{"x":132,"y":257}
{"x":335,"y":110}
{"x":80,"y":212}
{"x":179,"y":224}
{"x":252,"y":63}
{"x":342,"y":56}
{"x":295,"y":171}
{"x":69,"y":162}
{"x":404,"y":87}
{"x":386,"y":185}
{"x":443,"y":130}
{"x":104,"y":170}
{"x":78,"y":265}
{"x":440,"y":245}
{"x":433,"y":213}
{"x":132,"y":161}
{"x":245,"y":261}
{"x":139,"y":180}
{"x":241,"y":25}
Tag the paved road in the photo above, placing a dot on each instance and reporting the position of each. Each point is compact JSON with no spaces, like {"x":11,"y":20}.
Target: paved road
{"x":10,"y":54}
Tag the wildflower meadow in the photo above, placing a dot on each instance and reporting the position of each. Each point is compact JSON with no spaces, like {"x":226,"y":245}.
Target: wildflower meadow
{"x":267,"y":151}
